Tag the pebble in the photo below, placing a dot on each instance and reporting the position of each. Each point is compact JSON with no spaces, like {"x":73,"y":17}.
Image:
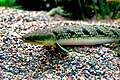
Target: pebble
{"x":96,"y":67}
{"x":74,"y":68}
{"x":97,"y":56}
{"x":18,"y":59}
{"x":36,"y":75}
{"x":1,"y":54}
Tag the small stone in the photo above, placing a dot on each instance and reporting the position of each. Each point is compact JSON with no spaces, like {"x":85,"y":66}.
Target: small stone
{"x":73,"y":72}
{"x":104,"y":58}
{"x":98,"y":72}
{"x":62,"y":75}
{"x":15,"y":38}
{"x":98,"y":77}
{"x":15,"y":72}
{"x":105,"y":76}
{"x":69,"y":60}
{"x":22,"y":70}
{"x":32,"y":54}
{"x":101,"y":63}
{"x":2,"y":66}
{"x":65,"y":66}
{"x":80,"y":66}
{"x":97,"y":56}
{"x":90,"y":63}
{"x":86,"y":73}
{"x":21,"y":42}
{"x":77,"y":58}
{"x":96,"y":67}
{"x":32,"y":68}
{"x":36,"y":75}
{"x":74,"y":68}
{"x":111,"y":67}
{"x":1,"y":27}
{"x":56,"y":61}
{"x":103,"y":72}
{"x":1,"y":54}
{"x":73,"y":56}
{"x":53,"y":76}
{"x":92,"y":71}
{"x":25,"y":46}
{"x":73,"y":62}
{"x":79,"y":74}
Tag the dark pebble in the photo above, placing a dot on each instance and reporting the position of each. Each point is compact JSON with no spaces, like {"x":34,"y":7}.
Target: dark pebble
{"x":73,"y":56}
{"x":7,"y":45}
{"x":66,"y":66}
{"x":33,"y":68}
{"x":3,"y":67}
{"x":90,"y":63}
{"x":98,"y":77}
{"x":15,"y":72}
{"x":27,"y":62}
{"x":103,"y":72}
{"x":22,"y":70}
{"x":111,"y":67}
{"x":104,"y":58}
{"x":21,"y":42}
{"x":105,"y":76}
{"x":73,"y":72}
{"x":9,"y":70}
{"x":74,"y":68}
{"x":56,"y":61}
{"x":25,"y":46}
{"x":98,"y":72}
{"x":79,"y":74}
{"x":78,"y":79}
{"x":36,"y":75}
{"x":1,"y":27}
{"x":80,"y":66}
{"x":15,"y":38}
{"x":32,"y":54}
{"x":62,"y":75}
{"x":1,"y":54}
{"x":86,"y":73}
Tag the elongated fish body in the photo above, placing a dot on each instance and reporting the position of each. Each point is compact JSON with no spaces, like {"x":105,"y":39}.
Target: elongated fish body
{"x":74,"y":35}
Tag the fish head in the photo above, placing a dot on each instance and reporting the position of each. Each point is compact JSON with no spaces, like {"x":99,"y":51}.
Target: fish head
{"x":45,"y":39}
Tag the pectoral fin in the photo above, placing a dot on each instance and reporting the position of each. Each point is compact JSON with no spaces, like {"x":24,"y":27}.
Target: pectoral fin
{"x":63,"y":50}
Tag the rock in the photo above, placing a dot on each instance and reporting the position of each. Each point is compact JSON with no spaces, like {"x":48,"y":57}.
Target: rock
{"x":97,"y":56}
{"x":36,"y":75}
{"x":98,"y":72}
{"x":73,"y":56}
{"x":96,"y":67}
{"x":1,"y":54}
{"x":74,"y":68}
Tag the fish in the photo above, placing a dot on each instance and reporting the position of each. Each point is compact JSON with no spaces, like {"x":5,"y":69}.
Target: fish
{"x":74,"y":35}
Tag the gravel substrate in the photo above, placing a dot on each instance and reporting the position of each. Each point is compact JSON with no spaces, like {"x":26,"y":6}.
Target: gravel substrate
{"x":21,"y":61}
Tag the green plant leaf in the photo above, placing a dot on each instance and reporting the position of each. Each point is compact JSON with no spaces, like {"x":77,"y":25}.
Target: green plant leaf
{"x":2,"y":1}
{"x":17,"y":7}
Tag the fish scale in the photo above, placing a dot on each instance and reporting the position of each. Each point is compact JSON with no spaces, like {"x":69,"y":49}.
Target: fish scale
{"x":94,"y":31}
{"x":74,"y":35}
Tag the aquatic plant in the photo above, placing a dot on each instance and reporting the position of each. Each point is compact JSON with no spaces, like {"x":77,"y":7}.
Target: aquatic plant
{"x":9,"y":3}
{"x":81,"y":8}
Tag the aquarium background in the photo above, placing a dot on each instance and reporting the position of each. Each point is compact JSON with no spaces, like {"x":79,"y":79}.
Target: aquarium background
{"x":77,"y":9}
